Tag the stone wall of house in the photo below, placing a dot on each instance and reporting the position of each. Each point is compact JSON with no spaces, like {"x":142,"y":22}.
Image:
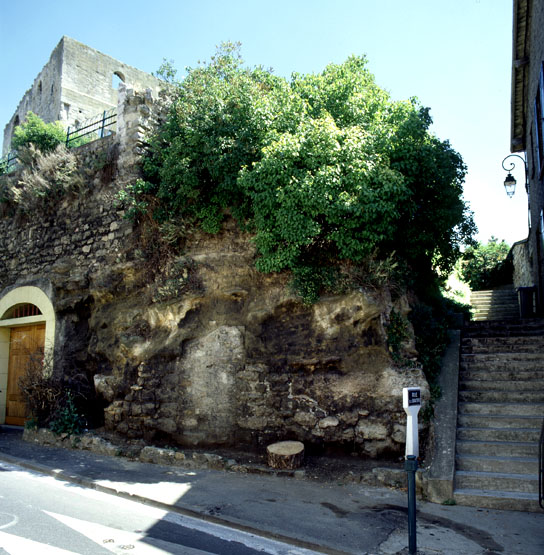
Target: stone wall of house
{"x":201,"y":349}
{"x":533,"y":60}
{"x":523,"y":267}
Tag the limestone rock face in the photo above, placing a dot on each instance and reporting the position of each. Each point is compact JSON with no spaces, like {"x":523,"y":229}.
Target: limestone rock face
{"x":236,"y":359}
{"x":200,"y":349}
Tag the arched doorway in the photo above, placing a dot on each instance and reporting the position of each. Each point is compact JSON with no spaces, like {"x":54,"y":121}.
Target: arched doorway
{"x":27,"y":334}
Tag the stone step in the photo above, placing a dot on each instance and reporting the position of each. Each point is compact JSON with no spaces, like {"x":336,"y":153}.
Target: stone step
{"x":503,"y":500}
{"x":502,"y":348}
{"x":528,"y":366}
{"x":503,"y":409}
{"x":496,"y":481}
{"x":495,"y":313}
{"x":507,"y":289}
{"x":498,"y":380}
{"x":496,"y":306}
{"x":487,"y":317}
{"x":502,"y":342}
{"x":504,"y":303}
{"x":502,"y":298}
{"x":498,"y":421}
{"x":534,"y":376}
{"x":507,"y":292}
{"x":502,"y":358}
{"x":488,"y":463}
{"x":510,"y":328}
{"x":498,"y":434}
{"x":498,"y":448}
{"x":505,"y":396}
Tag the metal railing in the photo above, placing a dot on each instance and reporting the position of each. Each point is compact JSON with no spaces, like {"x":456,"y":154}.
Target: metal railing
{"x":91,"y":129}
{"x":8,"y":162}
{"x":541,"y":468}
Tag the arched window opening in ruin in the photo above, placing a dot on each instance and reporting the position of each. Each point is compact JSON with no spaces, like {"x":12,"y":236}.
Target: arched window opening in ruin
{"x":117,"y":78}
{"x":40,"y":88}
{"x":21,"y":310}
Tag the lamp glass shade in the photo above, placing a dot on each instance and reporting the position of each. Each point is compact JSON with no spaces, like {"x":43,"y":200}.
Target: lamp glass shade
{"x":510,"y":185}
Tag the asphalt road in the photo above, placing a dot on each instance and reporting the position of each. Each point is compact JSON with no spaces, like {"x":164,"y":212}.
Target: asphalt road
{"x":39,"y":514}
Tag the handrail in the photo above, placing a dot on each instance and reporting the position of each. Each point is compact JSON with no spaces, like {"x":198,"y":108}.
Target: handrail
{"x":8,"y":162}
{"x":93,"y":126}
{"x":541,"y":468}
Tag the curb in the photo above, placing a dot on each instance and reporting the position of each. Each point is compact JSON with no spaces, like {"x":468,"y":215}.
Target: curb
{"x":84,"y":482}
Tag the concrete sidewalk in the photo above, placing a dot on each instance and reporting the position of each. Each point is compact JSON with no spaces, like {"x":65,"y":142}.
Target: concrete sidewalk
{"x":325,"y":517}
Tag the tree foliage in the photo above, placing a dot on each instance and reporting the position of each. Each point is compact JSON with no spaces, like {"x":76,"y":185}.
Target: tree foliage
{"x":44,"y":136}
{"x":486,"y":265}
{"x":324,"y":168}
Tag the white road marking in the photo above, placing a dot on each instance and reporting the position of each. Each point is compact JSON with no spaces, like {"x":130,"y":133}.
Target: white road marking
{"x":15,"y":545}
{"x":119,"y":541}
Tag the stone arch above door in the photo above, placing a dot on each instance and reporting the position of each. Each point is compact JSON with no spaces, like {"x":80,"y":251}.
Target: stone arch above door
{"x":10,"y":318}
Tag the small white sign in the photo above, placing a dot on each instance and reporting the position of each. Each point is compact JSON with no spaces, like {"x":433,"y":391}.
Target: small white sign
{"x":411,"y":401}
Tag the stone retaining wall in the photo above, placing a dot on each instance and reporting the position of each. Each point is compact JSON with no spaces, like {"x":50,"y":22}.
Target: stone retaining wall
{"x":199,"y":460}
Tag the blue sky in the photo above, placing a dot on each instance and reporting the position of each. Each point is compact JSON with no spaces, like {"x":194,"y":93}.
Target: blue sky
{"x":455,"y":56}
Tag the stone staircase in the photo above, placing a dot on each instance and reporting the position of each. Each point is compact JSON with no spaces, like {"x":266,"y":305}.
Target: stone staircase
{"x":500,"y":414}
{"x":495,"y":304}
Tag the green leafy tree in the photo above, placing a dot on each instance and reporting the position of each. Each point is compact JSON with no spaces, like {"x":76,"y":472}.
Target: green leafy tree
{"x":45,"y":136}
{"x":325,"y":169}
{"x":486,"y":265}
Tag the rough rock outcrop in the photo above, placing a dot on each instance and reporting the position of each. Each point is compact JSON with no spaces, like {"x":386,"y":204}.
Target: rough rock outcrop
{"x":230,"y":356}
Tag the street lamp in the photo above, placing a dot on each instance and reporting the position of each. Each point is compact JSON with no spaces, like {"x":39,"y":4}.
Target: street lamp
{"x":510,"y":185}
{"x":510,"y":181}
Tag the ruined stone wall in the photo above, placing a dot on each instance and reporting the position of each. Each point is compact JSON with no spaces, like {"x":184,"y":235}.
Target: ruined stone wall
{"x":43,"y":97}
{"x":87,"y":81}
{"x":76,"y":84}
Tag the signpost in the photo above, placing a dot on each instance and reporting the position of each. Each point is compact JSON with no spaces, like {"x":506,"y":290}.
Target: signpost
{"x":411,"y":402}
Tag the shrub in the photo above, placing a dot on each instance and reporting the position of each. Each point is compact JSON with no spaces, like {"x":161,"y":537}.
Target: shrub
{"x":397,"y":334}
{"x":485,"y":266}
{"x":325,"y":169}
{"x":58,"y":402}
{"x":44,"y":136}
{"x":67,"y":420}
{"x":46,"y":177}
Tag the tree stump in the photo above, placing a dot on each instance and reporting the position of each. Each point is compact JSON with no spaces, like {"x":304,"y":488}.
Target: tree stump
{"x":285,"y":454}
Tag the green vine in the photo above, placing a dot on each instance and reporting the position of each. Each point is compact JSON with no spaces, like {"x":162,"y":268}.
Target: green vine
{"x":397,"y":334}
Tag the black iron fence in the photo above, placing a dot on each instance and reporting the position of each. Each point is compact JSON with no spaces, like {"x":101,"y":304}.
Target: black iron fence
{"x":8,"y":162}
{"x":90,"y":130}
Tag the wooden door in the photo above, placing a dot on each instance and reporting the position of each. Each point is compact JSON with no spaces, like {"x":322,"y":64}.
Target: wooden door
{"x":25,"y":346}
